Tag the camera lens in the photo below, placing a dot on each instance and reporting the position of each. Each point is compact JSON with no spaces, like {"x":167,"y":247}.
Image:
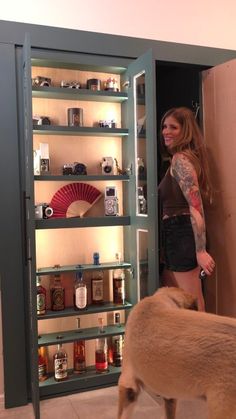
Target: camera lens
{"x":48,"y":212}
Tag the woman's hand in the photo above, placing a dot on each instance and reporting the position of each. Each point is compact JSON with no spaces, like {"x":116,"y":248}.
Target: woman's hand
{"x":206,"y":262}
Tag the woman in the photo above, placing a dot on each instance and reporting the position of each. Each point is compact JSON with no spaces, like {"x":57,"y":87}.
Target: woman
{"x":182,"y":189}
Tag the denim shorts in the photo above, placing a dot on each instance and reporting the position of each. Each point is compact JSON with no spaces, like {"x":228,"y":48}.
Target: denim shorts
{"x":179,"y":244}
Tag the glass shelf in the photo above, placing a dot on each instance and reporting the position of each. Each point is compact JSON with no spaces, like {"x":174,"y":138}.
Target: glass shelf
{"x":51,"y":270}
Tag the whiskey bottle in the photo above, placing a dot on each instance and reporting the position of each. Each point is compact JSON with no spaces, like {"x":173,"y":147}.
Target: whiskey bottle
{"x":117,"y":345}
{"x":60,"y":360}
{"x":80,"y":292}
{"x":119,"y":286}
{"x":97,"y":287}
{"x":101,"y":355}
{"x":57,"y":293}
{"x":42,"y":363}
{"x":41,"y":297}
{"x":79,"y":354}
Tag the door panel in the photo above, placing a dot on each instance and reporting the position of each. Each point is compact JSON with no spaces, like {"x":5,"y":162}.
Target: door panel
{"x":30,"y":226}
{"x":142,"y":151}
{"x":219,"y":94}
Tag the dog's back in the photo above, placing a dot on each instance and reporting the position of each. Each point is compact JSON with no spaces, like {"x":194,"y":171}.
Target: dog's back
{"x":179,"y":353}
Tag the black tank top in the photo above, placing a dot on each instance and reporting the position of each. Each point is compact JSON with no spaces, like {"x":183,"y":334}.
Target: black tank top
{"x":172,"y":200}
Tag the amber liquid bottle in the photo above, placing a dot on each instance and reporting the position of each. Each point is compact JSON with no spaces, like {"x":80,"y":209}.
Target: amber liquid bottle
{"x":42,"y":363}
{"x":57,"y":293}
{"x":119,"y":286}
{"x":41,"y":297}
{"x":60,"y":360}
{"x":117,"y":345}
{"x":97,"y":287}
{"x":79,"y":354}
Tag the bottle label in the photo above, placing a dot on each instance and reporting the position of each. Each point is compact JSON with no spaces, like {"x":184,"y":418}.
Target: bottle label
{"x":81,"y":297}
{"x":60,"y":368}
{"x":97,"y":290}
{"x":41,"y":303}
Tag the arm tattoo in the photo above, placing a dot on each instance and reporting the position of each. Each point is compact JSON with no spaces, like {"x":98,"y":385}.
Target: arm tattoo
{"x":184,"y":173}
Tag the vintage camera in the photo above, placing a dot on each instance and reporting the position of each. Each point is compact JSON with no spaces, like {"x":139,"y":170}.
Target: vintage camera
{"x":107,"y":124}
{"x":41,"y":120}
{"x":70,"y":84}
{"x":41,"y":82}
{"x":43,"y":211}
{"x":74,"y":169}
{"x":111,"y":201}
{"x":108,"y":165}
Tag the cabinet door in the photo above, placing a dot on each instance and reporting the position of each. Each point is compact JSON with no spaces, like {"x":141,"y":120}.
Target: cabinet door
{"x":141,"y":154}
{"x":30,"y":226}
{"x":219,"y":94}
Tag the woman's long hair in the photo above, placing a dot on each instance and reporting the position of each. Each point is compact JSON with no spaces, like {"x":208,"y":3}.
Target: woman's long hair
{"x":192,"y":145}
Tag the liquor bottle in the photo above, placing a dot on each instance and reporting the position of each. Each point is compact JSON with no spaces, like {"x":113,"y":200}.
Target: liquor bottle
{"x":101,"y":355}
{"x":80,"y":293}
{"x":117,"y":345}
{"x":41,"y":297}
{"x":79,"y":354}
{"x":42,"y":363}
{"x":97,"y":287}
{"x":118,"y":286}
{"x":60,"y":360}
{"x":57,"y":292}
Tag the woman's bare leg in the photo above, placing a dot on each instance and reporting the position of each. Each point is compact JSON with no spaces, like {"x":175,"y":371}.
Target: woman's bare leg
{"x":188,"y":281}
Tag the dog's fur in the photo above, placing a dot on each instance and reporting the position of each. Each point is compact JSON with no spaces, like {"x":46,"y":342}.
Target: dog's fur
{"x":178,"y":354}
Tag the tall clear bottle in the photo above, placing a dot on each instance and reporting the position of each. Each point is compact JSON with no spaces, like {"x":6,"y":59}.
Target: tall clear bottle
{"x":79,"y":353}
{"x":80,"y":291}
{"x":60,"y":361}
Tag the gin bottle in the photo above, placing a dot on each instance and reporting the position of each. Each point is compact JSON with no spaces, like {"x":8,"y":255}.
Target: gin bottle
{"x":60,"y":360}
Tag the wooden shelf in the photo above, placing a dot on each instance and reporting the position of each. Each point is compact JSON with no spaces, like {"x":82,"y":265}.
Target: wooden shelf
{"x":83,"y":267}
{"x":79,"y":382}
{"x":80,"y":131}
{"x":78,"y":334}
{"x":77,"y":222}
{"x":92,"y":309}
{"x":79,"y":94}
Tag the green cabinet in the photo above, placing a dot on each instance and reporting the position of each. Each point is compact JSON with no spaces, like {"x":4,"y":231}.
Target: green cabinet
{"x":68,"y":240}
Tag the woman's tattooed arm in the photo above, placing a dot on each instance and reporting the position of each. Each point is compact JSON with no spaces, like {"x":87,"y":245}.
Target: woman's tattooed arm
{"x":184,"y":173}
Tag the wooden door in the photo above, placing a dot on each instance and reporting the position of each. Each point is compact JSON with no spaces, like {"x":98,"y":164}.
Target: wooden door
{"x":219,"y":109}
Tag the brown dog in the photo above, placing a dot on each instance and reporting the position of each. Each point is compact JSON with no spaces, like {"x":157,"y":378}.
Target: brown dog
{"x":178,"y":354}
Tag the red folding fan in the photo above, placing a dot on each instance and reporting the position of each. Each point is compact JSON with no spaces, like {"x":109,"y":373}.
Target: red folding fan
{"x":74,"y":200}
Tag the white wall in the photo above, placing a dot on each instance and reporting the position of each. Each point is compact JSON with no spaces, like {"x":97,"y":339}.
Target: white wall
{"x":201,"y":22}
